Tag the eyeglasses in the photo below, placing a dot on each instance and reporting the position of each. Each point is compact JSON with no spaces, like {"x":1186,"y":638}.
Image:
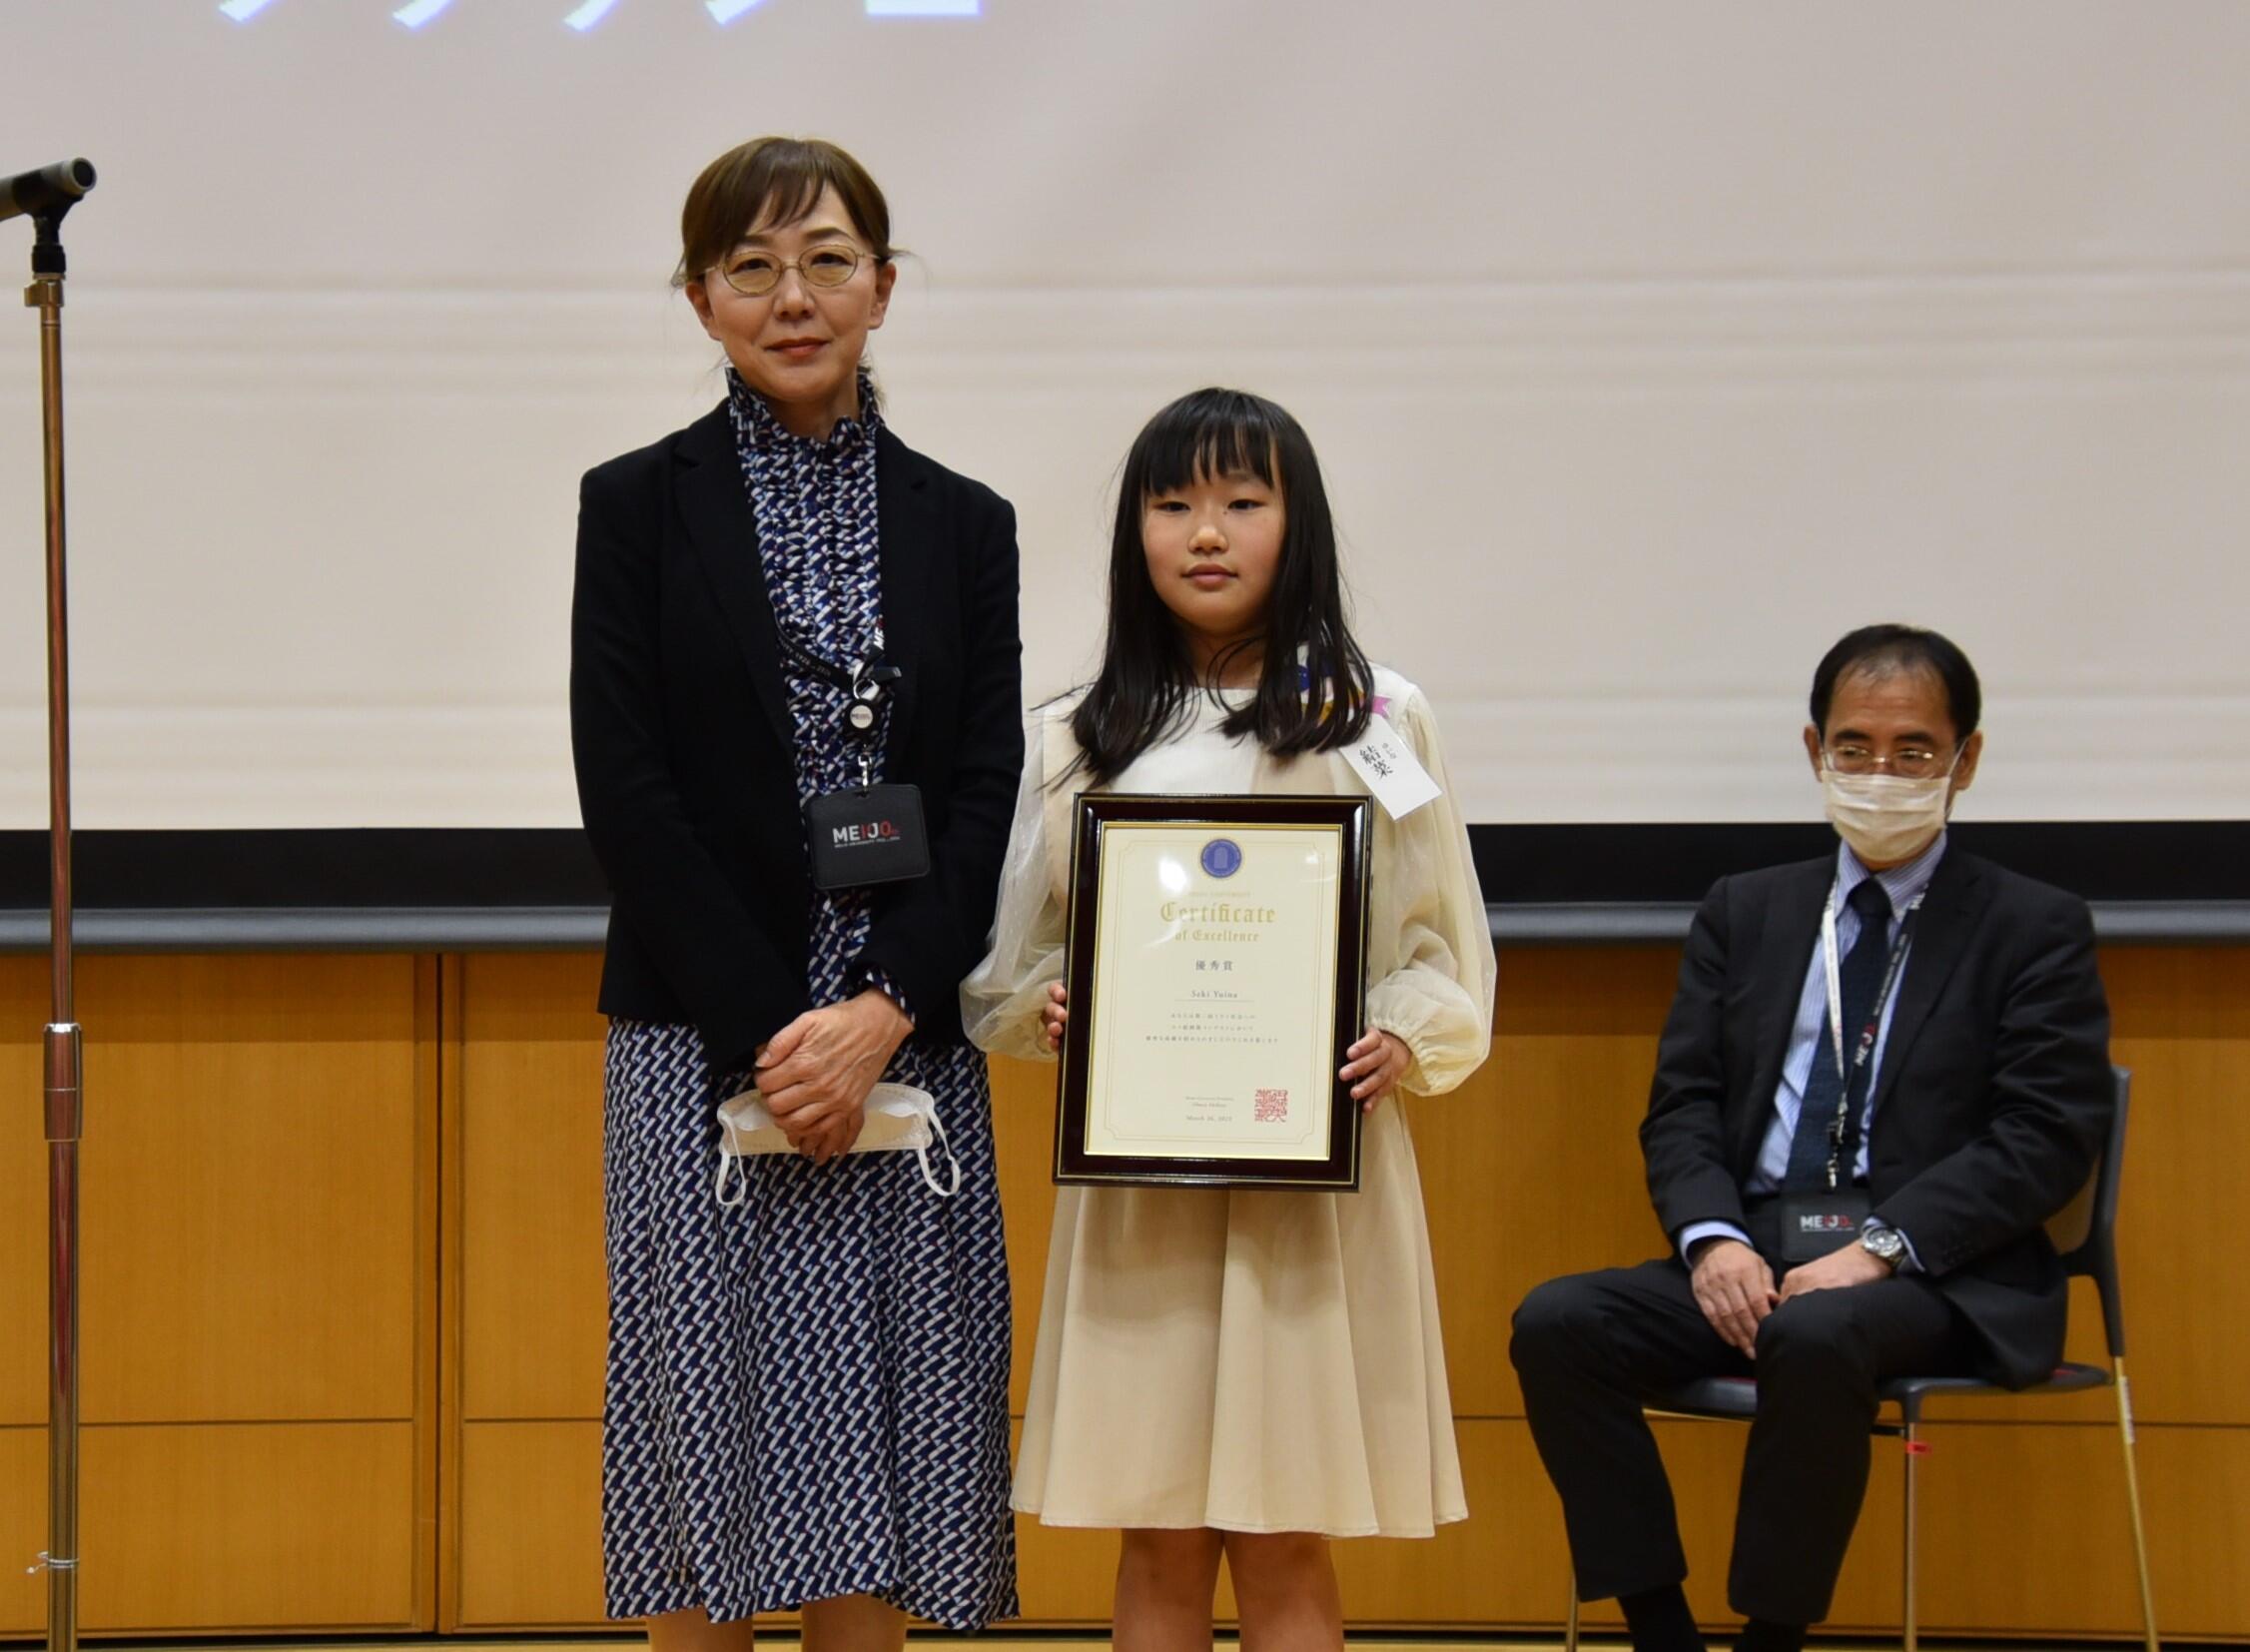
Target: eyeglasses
{"x":754,"y":274}
{"x":1907,"y":762}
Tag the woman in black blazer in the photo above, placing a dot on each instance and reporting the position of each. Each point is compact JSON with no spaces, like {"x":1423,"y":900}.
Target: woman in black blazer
{"x":780,"y":605}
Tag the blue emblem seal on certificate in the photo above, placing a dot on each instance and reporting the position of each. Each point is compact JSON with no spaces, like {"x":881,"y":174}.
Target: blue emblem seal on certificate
{"x":1222,"y":857}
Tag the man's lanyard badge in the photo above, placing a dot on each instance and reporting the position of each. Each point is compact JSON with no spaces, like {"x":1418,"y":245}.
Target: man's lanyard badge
{"x":1839,"y":1129}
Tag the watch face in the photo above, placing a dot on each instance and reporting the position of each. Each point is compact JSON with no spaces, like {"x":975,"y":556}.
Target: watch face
{"x":1884,"y":1243}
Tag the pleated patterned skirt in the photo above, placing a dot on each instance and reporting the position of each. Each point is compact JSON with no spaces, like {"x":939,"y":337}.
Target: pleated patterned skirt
{"x":808,"y":1393}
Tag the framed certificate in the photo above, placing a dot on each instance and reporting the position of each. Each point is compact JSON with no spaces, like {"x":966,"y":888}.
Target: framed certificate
{"x":1218,"y":954}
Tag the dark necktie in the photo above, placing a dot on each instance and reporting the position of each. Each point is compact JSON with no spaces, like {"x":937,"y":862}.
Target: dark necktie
{"x":1861,"y":978}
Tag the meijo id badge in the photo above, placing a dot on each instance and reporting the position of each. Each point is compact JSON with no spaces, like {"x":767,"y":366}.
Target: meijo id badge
{"x":1814,"y":1223}
{"x":872,"y":834}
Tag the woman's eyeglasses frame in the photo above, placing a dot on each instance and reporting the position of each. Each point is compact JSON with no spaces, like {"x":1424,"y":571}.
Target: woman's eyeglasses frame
{"x":803,"y":266}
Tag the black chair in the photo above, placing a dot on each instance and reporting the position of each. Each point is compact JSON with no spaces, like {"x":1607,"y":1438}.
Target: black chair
{"x":2086,"y":1236}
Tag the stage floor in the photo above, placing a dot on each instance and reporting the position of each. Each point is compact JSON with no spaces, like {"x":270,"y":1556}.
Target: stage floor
{"x":1026,"y":1641}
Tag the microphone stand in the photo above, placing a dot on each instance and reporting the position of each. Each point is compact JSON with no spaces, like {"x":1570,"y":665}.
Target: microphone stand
{"x":65,"y":1092}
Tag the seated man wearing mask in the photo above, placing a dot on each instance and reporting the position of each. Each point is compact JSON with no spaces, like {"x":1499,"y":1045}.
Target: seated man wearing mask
{"x":1883,"y":1071}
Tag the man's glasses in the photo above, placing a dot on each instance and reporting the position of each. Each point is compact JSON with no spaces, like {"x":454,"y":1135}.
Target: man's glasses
{"x":1907,"y":762}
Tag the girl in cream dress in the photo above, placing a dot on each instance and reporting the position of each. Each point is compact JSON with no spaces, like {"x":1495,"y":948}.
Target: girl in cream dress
{"x":1246,"y":1374}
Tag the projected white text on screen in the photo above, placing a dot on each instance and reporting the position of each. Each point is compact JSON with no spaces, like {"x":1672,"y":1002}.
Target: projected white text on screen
{"x":586,"y":16}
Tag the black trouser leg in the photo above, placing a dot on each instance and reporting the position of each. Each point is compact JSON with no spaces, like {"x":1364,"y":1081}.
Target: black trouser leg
{"x":1820,"y":1359}
{"x":1590,"y":1348}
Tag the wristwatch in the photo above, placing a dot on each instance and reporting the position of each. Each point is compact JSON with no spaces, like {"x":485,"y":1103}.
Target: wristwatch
{"x":1886,"y":1245}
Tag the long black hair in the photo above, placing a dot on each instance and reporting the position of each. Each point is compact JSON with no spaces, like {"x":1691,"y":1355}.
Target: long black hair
{"x":1148,"y":679}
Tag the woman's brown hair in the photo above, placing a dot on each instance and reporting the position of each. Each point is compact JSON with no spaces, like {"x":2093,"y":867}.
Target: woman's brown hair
{"x":775,"y":181}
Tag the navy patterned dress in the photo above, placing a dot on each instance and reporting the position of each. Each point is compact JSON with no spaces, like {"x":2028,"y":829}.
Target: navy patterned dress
{"x":807,"y":1392}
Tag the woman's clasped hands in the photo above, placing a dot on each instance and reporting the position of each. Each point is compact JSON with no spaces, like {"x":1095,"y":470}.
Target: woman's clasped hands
{"x":815,"y":1074}
{"x":1372,"y":1066}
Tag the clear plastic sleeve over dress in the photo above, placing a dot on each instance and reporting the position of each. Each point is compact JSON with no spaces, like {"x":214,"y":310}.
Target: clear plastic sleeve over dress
{"x":1258,"y":1361}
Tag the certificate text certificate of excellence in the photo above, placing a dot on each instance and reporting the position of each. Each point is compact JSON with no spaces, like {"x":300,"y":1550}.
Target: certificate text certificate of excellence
{"x":1215,"y":1007}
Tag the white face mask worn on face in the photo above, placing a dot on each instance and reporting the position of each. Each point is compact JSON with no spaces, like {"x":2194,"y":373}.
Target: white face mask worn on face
{"x":900,"y":1118}
{"x":1884,"y":817}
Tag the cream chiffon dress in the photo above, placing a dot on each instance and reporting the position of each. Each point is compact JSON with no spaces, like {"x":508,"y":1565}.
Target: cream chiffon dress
{"x":1250,"y":1362}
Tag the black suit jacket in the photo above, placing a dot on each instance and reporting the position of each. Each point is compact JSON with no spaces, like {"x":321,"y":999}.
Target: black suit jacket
{"x":680,"y":731}
{"x":1991,"y":1103}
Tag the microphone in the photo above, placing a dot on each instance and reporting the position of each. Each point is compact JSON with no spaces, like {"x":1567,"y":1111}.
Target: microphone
{"x":54,"y":188}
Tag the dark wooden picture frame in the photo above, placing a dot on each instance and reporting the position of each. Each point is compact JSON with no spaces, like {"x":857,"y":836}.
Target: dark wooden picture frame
{"x":1095,"y":812}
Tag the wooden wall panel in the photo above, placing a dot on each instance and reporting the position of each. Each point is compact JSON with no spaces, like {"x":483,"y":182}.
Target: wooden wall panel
{"x":1530,"y":1169}
{"x":1063,"y":1576}
{"x":2025,"y":1527}
{"x":247,"y":1527}
{"x":259,"y":1241}
{"x":1024,"y":1145}
{"x":2182,"y":1025}
{"x":530,"y":1531}
{"x":2182,"y":1019}
{"x":1504,"y":1565}
{"x":250,"y":1185}
{"x":431,"y":1078}
{"x":533,"y":1293}
{"x":258,"y":1168}
{"x":23,"y":1528}
{"x":23,"y":1200}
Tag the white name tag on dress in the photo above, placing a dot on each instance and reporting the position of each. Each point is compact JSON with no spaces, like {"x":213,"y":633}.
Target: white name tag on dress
{"x":1391,"y":770}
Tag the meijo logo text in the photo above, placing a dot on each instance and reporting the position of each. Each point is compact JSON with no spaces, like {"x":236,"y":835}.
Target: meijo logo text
{"x":864,"y":831}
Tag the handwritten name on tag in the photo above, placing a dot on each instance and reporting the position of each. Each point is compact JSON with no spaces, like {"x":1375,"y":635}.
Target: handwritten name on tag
{"x":1391,"y":770}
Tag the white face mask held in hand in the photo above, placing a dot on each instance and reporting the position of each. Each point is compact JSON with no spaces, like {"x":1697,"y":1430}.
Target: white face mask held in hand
{"x":1884,"y":817}
{"x":900,"y":1118}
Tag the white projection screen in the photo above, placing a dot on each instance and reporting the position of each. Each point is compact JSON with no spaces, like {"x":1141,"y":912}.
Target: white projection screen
{"x":1647,"y":348}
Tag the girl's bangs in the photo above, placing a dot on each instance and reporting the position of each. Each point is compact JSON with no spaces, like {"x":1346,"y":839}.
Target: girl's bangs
{"x":1202,"y":440}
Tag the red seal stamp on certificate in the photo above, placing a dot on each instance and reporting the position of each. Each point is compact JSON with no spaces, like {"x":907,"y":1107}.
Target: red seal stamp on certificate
{"x":1270,"y":1107}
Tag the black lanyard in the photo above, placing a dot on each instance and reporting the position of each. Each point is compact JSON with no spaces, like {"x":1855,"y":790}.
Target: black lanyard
{"x":1843,"y":1129}
{"x":866,"y":682}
